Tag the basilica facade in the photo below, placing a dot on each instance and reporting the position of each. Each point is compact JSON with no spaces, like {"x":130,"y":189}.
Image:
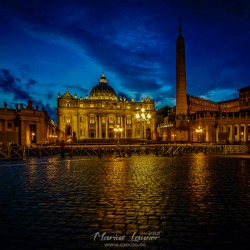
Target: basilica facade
{"x":102,"y":113}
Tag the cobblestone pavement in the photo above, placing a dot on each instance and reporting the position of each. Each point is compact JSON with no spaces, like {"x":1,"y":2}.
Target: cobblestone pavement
{"x":142,"y":202}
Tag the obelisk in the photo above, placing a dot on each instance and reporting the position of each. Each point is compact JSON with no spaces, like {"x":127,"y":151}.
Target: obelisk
{"x":181,"y":93}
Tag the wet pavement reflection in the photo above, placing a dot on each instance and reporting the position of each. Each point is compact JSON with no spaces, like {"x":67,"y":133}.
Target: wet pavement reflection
{"x":188,"y":202}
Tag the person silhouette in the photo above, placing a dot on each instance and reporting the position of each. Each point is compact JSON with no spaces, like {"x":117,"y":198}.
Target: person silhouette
{"x":63,"y":147}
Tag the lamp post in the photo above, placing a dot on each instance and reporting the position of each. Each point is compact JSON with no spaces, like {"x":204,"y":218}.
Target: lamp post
{"x":142,"y":117}
{"x":199,"y":131}
{"x":118,"y":130}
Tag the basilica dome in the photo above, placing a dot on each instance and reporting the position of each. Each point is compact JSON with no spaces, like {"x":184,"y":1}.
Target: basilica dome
{"x":103,"y":91}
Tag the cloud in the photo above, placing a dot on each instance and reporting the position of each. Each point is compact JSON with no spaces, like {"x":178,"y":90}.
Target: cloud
{"x":50,"y":111}
{"x":10,"y":84}
{"x":135,"y":40}
{"x":219,"y":95}
{"x":100,"y":32}
{"x":14,"y":86}
{"x":72,"y":87}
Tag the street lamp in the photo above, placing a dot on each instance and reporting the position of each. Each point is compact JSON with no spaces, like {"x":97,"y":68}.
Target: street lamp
{"x":199,"y":131}
{"x":142,"y":117}
{"x":118,"y":130}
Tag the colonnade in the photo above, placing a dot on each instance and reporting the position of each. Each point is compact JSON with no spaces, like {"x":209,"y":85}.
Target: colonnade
{"x":224,"y":132}
{"x":235,"y":132}
{"x":101,"y":126}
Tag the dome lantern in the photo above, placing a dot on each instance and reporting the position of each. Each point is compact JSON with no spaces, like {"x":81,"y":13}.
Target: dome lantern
{"x":103,"y":91}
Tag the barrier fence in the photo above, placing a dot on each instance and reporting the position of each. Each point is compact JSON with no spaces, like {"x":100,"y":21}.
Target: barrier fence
{"x":23,"y":152}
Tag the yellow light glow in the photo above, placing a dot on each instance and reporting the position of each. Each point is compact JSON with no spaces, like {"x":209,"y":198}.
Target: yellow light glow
{"x":199,"y":130}
{"x":118,"y":129}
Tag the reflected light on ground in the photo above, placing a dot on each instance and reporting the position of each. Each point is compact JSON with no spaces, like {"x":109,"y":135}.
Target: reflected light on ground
{"x":200,"y":181}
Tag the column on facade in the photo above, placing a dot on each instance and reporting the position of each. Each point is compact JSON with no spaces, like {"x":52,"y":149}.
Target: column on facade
{"x":23,"y":140}
{"x":213,"y":136}
{"x":38,"y":132}
{"x":226,"y":130}
{"x":100,"y":126}
{"x":217,"y":132}
{"x":106,"y":127}
{"x":44,"y":131}
{"x":86,"y":126}
{"x":47,"y":131}
{"x":207,"y":133}
{"x":153,"y":135}
{"x":78,"y":126}
{"x":5,"y":125}
{"x":96,"y":126}
{"x":74,"y":124}
{"x":245,"y":132}
{"x":233,"y":133}
{"x":230,"y":127}
{"x":238,"y":132}
{"x":212,"y":133}
{"x":122,"y":126}
{"x":133,"y":126}
{"x":114,"y":125}
{"x":143,"y":124}
{"x":125,"y":127}
{"x":61,"y":126}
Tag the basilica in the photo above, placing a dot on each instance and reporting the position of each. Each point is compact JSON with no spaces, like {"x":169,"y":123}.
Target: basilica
{"x":193,"y":119}
{"x":104,"y":115}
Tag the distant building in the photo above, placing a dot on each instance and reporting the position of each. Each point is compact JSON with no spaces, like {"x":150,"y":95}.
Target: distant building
{"x":25,"y":125}
{"x":97,"y":115}
{"x":198,"y":120}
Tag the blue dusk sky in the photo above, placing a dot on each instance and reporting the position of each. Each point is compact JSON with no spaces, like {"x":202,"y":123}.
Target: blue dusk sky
{"x":49,"y":46}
